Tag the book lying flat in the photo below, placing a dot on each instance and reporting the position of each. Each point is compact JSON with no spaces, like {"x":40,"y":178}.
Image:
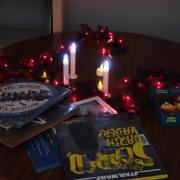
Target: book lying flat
{"x":167,"y":105}
{"x":43,"y":150}
{"x":112,"y":147}
{"x":48,"y":119}
{"x":23,"y":100}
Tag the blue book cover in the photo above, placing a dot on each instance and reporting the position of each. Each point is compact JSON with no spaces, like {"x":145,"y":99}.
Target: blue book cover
{"x":43,"y":151}
{"x":23,"y":100}
{"x":167,"y":104}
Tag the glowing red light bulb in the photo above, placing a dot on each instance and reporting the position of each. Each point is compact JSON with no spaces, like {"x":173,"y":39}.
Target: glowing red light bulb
{"x":140,"y":85}
{"x":110,"y":33}
{"x":98,"y":41}
{"x":51,"y":59}
{"x":177,"y":85}
{"x":103,"y":51}
{"x":126,"y":80}
{"x":61,"y":46}
{"x":126,"y":98}
{"x":55,"y":82}
{"x":74,"y":98}
{"x":30,"y":63}
{"x":120,"y":41}
{"x":74,"y":89}
{"x":5,"y":65}
{"x":159,"y":85}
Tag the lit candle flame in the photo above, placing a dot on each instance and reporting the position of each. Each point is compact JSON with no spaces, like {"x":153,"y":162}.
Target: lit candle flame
{"x":106,"y":66}
{"x":44,"y":75}
{"x":66,"y":59}
{"x":99,"y":71}
{"x":66,"y":70}
{"x":100,"y":85}
{"x":73,"y":48}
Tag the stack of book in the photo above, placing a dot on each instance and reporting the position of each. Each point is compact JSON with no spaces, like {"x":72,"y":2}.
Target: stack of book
{"x":97,"y":143}
{"x":28,"y":108}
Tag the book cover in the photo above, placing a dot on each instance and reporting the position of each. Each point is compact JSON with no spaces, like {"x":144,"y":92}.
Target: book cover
{"x":103,"y":148}
{"x":23,"y":100}
{"x":94,"y":106}
{"x":46,"y":120}
{"x":167,"y":104}
{"x":43,"y":151}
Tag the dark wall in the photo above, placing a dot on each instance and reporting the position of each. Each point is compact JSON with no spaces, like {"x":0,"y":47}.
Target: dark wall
{"x":159,"y":18}
{"x":24,"y":13}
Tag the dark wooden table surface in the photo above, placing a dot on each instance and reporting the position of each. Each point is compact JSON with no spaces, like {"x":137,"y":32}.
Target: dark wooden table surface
{"x":143,"y":51}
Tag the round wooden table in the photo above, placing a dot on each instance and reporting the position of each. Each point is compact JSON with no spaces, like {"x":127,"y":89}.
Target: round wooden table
{"x":142,"y":51}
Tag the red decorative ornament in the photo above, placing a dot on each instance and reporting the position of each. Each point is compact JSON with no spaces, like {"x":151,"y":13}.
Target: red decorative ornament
{"x":159,"y":85}
{"x":177,"y":85}
{"x":126,"y":98}
{"x":6,"y":65}
{"x":126,"y":80}
{"x":141,"y":85}
{"x":45,"y":57}
{"x":105,"y":51}
{"x":30,"y":63}
{"x":55,"y":82}
{"x":74,"y":98}
{"x":120,"y":41}
{"x":61,"y":47}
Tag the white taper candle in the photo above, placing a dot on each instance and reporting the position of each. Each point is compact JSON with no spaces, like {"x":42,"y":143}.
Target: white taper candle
{"x":73,"y":74}
{"x":66,"y":70}
{"x":106,"y":78}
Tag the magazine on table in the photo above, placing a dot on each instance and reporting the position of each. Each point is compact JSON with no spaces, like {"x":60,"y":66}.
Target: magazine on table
{"x":109,"y":147}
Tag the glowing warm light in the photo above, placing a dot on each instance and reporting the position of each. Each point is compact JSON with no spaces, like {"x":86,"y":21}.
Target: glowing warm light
{"x":47,"y":81}
{"x":99,"y":71}
{"x":66,"y":59}
{"x":44,"y":75}
{"x":73,"y":48}
{"x":100,"y":85}
{"x":106,"y":66}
